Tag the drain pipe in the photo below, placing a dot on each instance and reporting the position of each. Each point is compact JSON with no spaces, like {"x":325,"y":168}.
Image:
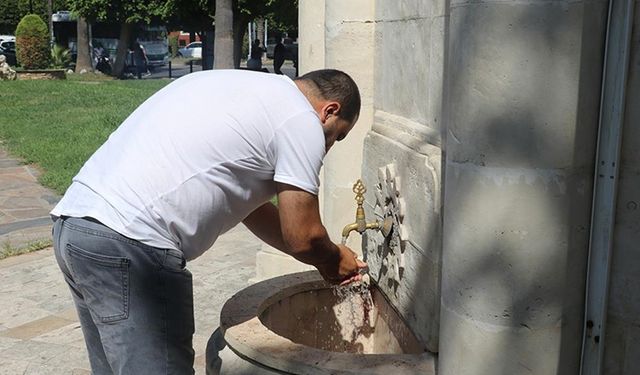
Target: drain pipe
{"x":614,"y":80}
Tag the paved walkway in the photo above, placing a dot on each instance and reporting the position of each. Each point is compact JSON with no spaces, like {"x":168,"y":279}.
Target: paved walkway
{"x":24,"y":204}
{"x":39,"y":330}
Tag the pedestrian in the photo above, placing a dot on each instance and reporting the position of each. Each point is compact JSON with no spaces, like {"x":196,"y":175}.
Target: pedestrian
{"x":167,"y":183}
{"x":278,"y":56}
{"x":255,"y":60}
{"x":139,"y":59}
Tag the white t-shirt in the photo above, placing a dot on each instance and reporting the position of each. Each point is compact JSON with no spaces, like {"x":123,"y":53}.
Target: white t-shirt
{"x":198,"y":157}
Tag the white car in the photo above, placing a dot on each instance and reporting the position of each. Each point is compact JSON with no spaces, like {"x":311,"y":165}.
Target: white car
{"x":192,"y":50}
{"x":7,"y":38}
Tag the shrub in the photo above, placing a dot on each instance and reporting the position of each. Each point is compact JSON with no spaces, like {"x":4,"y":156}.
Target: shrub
{"x":60,"y":57}
{"x":32,"y":43}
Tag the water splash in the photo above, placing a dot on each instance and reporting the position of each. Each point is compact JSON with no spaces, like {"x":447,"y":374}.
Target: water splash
{"x":354,"y":310}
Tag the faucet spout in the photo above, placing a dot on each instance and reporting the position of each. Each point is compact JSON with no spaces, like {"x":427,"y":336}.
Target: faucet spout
{"x":360,"y":225}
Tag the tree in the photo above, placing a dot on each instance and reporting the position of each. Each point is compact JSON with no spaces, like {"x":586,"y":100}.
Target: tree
{"x":127,"y":14}
{"x":12,"y":11}
{"x":284,"y":12}
{"x":9,"y":16}
{"x":38,"y":7}
{"x":223,"y":50}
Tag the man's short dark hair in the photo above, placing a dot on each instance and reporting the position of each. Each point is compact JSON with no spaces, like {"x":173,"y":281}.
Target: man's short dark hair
{"x":332,"y":84}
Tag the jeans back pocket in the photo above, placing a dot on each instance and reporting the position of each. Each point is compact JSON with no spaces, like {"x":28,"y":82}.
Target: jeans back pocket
{"x":103,"y":281}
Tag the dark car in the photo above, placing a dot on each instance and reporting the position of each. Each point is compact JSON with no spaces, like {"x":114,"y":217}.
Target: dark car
{"x":8,"y":48}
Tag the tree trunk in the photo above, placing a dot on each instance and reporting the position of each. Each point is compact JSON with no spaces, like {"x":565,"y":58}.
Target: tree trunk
{"x":260,"y":34}
{"x":50,"y":13}
{"x":126,"y":32}
{"x":208,"y":42}
{"x":83,"y":61}
{"x":239,"y":29}
{"x":223,"y":48}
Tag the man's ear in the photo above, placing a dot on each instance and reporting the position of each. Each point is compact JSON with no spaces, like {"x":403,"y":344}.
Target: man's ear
{"x":331,"y":108}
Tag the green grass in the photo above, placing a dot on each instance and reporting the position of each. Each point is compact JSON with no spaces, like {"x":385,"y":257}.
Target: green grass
{"x":59,"y":124}
{"x":8,"y":250}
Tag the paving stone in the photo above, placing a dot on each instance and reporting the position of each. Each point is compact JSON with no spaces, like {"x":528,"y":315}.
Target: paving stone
{"x":20,"y":311}
{"x":7,"y":342}
{"x":12,"y":367}
{"x":32,"y":351}
{"x":5,"y":163}
{"x":36,"y":327}
{"x":23,"y":202}
{"x":76,"y":358}
{"x":70,"y":334}
{"x":28,"y":213}
{"x":6,"y":168}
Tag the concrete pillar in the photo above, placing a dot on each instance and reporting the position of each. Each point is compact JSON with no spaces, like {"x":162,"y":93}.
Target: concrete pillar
{"x":349,"y":46}
{"x":524,"y":92}
{"x":622,"y":341}
{"x":311,"y":51}
{"x":311,"y":41}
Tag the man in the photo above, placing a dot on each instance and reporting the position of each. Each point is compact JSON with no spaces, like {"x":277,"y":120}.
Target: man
{"x":278,"y":56}
{"x":167,"y":182}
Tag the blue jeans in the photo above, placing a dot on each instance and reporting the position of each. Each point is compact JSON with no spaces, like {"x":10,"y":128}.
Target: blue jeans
{"x":134,"y":302}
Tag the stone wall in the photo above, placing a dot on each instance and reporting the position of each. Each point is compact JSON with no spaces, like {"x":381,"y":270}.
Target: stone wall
{"x":42,"y":74}
{"x":402,"y":160}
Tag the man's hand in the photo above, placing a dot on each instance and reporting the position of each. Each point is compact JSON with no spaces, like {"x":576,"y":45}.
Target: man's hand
{"x":295,"y":228}
{"x":344,"y":269}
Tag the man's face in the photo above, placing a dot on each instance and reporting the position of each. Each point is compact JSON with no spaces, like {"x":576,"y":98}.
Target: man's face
{"x":336,"y":129}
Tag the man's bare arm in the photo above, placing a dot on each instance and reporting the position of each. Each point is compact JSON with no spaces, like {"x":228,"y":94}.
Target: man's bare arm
{"x":296,"y":229}
{"x":264,"y":222}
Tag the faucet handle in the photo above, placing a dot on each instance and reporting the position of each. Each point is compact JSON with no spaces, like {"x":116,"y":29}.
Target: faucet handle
{"x":359,"y":189}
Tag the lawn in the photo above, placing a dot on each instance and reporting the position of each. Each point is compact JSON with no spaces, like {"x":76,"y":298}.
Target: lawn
{"x":59,"y":124}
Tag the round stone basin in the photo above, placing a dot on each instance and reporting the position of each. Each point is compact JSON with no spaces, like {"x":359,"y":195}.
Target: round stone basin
{"x":298,"y":324}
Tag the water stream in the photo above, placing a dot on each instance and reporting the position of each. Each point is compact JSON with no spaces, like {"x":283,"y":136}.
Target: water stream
{"x":355,"y":316}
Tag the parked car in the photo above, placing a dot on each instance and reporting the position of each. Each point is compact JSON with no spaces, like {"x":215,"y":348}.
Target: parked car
{"x":10,"y":38}
{"x":192,"y":50}
{"x":61,"y":16}
{"x":8,"y":45}
{"x":8,"y":48}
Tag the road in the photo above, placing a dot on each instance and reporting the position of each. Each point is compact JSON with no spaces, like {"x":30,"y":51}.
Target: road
{"x":180,"y":68}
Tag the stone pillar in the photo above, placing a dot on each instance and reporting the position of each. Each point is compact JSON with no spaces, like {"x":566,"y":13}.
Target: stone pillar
{"x":523,"y":105}
{"x":329,"y":30}
{"x":311,"y":40}
{"x":402,"y":160}
{"x":269,"y":261}
{"x":349,"y":46}
{"x":622,"y":341}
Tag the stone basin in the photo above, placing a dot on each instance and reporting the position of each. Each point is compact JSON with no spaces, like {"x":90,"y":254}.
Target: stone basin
{"x":297,"y":324}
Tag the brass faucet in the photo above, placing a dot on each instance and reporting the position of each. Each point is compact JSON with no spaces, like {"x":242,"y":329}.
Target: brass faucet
{"x":360,"y":224}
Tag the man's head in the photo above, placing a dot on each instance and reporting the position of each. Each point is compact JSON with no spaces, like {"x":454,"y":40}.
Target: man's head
{"x":336,"y":99}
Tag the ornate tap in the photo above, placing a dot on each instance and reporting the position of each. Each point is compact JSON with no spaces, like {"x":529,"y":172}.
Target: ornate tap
{"x":360,"y":224}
